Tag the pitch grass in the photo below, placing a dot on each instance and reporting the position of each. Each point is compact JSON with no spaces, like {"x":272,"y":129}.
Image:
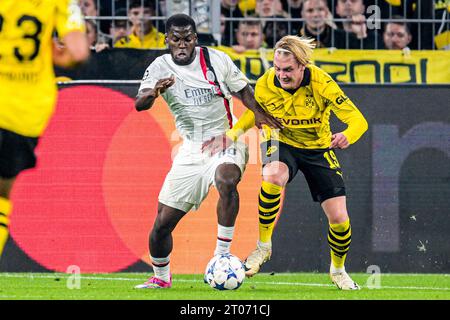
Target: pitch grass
{"x":282,"y":286}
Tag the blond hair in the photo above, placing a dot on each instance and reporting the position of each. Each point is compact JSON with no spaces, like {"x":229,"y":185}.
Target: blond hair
{"x":300,"y":47}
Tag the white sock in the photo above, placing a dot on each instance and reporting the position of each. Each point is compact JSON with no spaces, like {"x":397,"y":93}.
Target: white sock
{"x":333,"y":269}
{"x":224,"y":238}
{"x":161,"y":267}
{"x":265,"y":245}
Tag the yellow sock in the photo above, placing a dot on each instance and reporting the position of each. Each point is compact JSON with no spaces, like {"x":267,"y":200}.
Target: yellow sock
{"x":269,"y":205}
{"x":5,"y":209}
{"x":339,"y":238}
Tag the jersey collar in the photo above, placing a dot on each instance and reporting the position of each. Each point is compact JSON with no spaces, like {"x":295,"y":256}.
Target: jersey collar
{"x":306,"y":81}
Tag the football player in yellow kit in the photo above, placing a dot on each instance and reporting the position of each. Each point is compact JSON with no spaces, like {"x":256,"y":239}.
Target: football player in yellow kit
{"x":27,"y":82}
{"x":301,"y":96}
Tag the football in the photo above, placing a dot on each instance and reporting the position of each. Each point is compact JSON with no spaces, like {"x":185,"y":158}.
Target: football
{"x":225,"y":272}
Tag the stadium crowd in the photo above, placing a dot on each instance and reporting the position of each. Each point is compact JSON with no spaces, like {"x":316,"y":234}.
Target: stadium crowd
{"x":254,"y":24}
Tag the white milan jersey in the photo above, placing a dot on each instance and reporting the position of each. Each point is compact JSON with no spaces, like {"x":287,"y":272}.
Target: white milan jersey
{"x":200,"y":113}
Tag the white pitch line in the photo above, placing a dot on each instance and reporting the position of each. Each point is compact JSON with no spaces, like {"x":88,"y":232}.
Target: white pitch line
{"x":31,"y":276}
{"x":384,"y":274}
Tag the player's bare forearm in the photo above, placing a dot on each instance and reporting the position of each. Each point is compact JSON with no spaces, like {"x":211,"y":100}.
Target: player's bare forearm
{"x":71,"y":51}
{"x":63,"y":58}
{"x":145,"y":99}
{"x":247,"y":96}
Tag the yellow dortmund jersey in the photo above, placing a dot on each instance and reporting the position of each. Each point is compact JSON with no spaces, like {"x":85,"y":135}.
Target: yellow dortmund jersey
{"x":304,"y":112}
{"x":27,"y":81}
{"x":152,"y":40}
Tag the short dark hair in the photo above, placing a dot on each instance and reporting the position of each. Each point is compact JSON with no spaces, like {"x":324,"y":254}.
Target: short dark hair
{"x":400,"y":23}
{"x":251,"y":23}
{"x":142,"y":3}
{"x":120,"y":12}
{"x":180,"y":20}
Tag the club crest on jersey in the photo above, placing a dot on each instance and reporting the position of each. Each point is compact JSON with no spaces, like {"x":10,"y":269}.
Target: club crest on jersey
{"x":309,"y":102}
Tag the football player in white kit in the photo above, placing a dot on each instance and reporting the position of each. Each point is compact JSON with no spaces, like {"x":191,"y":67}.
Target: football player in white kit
{"x":196,"y":83}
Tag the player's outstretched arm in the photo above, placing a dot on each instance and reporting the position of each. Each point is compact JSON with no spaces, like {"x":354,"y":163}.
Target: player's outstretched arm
{"x":146,"y":97}
{"x":73,"y":50}
{"x":216,"y":144}
{"x":247,"y":96}
{"x":223,"y":141}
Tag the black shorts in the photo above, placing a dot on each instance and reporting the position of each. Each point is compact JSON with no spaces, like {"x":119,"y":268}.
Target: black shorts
{"x":16,"y":153}
{"x":320,"y":167}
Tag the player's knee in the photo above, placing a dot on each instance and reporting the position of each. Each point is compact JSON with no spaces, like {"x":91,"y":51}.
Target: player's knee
{"x":335,"y":208}
{"x":160,"y":231}
{"x":227,"y":184}
{"x":277,"y":178}
{"x":338,"y":217}
{"x":276,"y":173}
{"x":161,"y":227}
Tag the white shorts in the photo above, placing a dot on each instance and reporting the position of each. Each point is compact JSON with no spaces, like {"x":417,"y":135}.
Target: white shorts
{"x":192,"y":173}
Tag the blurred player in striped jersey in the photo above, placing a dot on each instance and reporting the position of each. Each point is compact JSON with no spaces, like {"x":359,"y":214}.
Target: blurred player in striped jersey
{"x":302,"y":97}
{"x":197,"y":84}
{"x":27,"y":81}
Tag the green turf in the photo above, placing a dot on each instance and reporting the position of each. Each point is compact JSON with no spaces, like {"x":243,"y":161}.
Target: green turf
{"x":283,"y":286}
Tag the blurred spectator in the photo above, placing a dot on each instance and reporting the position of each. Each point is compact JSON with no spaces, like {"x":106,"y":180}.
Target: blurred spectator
{"x":273,"y":30}
{"x":222,"y":24}
{"x":200,"y":14}
{"x":162,"y":8}
{"x":429,"y":35}
{"x":269,"y":8}
{"x":297,"y":5}
{"x":354,"y":11}
{"x":91,"y":33}
{"x":249,"y":36}
{"x":107,"y":8}
{"x":118,"y":29}
{"x":397,"y":35}
{"x":230,"y":9}
{"x":96,"y":43}
{"x":143,"y":34}
{"x":89,"y":7}
{"x":317,"y":25}
{"x":294,"y":10}
{"x":161,"y":11}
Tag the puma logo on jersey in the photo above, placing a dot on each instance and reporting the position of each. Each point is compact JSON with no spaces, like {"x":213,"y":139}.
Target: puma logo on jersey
{"x":271,"y":150}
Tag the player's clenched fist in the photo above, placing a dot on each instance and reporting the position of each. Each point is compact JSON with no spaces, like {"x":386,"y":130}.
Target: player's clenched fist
{"x":146,"y":96}
{"x":163,"y":84}
{"x":339,"y":140}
